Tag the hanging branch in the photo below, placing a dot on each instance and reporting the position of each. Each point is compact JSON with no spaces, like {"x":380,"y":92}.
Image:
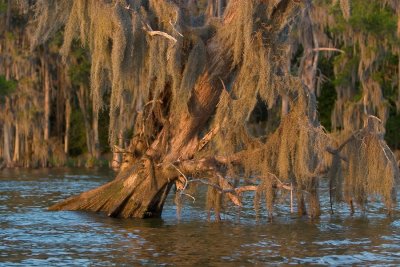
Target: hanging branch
{"x":328,"y":49}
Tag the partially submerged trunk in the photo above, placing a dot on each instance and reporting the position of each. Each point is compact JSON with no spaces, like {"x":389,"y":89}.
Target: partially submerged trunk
{"x":185,"y":92}
{"x":139,"y":192}
{"x":141,"y":188}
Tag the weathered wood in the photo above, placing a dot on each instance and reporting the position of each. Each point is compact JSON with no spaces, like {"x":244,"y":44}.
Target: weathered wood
{"x":143,"y":183}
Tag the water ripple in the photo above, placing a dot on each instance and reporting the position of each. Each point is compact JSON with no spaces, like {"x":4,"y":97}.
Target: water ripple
{"x":32,"y":236}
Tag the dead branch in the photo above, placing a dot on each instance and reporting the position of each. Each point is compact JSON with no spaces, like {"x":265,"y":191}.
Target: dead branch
{"x":204,"y":141}
{"x":147,"y":28}
{"x":151,"y":32}
{"x":328,"y":49}
{"x":173,"y":27}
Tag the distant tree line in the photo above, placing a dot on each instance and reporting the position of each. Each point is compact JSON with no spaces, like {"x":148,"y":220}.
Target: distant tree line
{"x":51,"y":112}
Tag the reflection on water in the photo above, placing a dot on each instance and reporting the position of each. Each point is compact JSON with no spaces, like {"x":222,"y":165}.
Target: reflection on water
{"x":31,"y":235}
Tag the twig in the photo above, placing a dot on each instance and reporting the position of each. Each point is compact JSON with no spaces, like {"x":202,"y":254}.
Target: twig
{"x":117,"y":149}
{"x":225,"y":184}
{"x":291,"y":198}
{"x":242,"y":189}
{"x":204,"y":141}
{"x":384,"y":151}
{"x":150,"y":31}
{"x":282,"y":185}
{"x":128,"y":7}
{"x":173,"y":27}
{"x":186,"y":184}
{"x":212,"y":185}
{"x":328,"y":49}
{"x":154,"y":101}
{"x":146,"y":27}
{"x":183,"y":175}
{"x":188,"y":195}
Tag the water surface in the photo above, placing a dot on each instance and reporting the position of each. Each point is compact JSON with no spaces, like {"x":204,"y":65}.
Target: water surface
{"x":31,"y":235}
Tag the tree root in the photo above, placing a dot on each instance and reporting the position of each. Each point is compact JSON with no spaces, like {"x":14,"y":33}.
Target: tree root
{"x":129,"y":196}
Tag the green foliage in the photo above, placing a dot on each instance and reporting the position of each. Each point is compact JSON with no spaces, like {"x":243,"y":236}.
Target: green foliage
{"x":384,"y":76}
{"x":369,"y":16}
{"x":327,"y":97}
{"x":366,"y":30}
{"x":346,"y":64}
{"x":104,"y":123}
{"x":392,"y":136}
{"x":77,"y":134}
{"x":56,"y":42}
{"x":340,"y":26}
{"x":3,"y":7}
{"x":296,"y":60}
{"x":79,"y":71}
{"x":7,"y":87}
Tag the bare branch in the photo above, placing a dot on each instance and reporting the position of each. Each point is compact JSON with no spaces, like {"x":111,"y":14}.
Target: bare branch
{"x":147,"y":28}
{"x":173,"y":27}
{"x":328,"y":49}
{"x":150,"y":31}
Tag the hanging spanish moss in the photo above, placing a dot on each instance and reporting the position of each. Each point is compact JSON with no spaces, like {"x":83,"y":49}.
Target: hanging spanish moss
{"x":182,"y":82}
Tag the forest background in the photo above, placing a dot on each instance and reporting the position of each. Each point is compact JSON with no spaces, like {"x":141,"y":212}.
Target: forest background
{"x":48,"y":117}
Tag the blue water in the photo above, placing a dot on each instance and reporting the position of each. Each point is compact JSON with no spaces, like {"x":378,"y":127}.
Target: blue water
{"x":32,"y":236}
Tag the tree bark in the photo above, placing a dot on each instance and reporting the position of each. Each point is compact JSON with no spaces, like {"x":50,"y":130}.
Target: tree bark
{"x":67,"y":124}
{"x":285,"y":105}
{"x":16,"y":145}
{"x":140,"y":189}
{"x":309,"y":62}
{"x":7,"y":138}
{"x":96,"y":140}
{"x":8,"y":16}
{"x":47,"y":99}
{"x":82,"y":99}
{"x":221,"y":5}
{"x":215,"y":8}
{"x":7,"y":145}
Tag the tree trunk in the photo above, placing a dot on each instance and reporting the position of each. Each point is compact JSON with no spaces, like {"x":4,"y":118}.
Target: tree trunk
{"x":67,"y":124}
{"x":7,"y":144}
{"x":221,"y":4}
{"x":309,"y":62}
{"x":28,"y":152}
{"x":8,"y":16}
{"x":86,"y":118}
{"x":96,"y":140}
{"x":285,"y":105}
{"x":215,"y":8}
{"x":141,"y":187}
{"x":17,"y":145}
{"x":7,"y":138}
{"x":140,"y":191}
{"x":47,"y":100}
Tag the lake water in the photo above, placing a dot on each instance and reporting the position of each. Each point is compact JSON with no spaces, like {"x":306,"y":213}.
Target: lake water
{"x":31,"y":235}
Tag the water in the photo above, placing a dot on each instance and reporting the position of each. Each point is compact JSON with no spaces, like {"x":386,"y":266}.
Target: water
{"x":31,"y":235}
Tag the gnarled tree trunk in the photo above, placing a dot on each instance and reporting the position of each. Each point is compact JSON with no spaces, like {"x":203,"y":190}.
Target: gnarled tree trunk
{"x":144,"y":181}
{"x":187,"y":101}
{"x":141,"y":188}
